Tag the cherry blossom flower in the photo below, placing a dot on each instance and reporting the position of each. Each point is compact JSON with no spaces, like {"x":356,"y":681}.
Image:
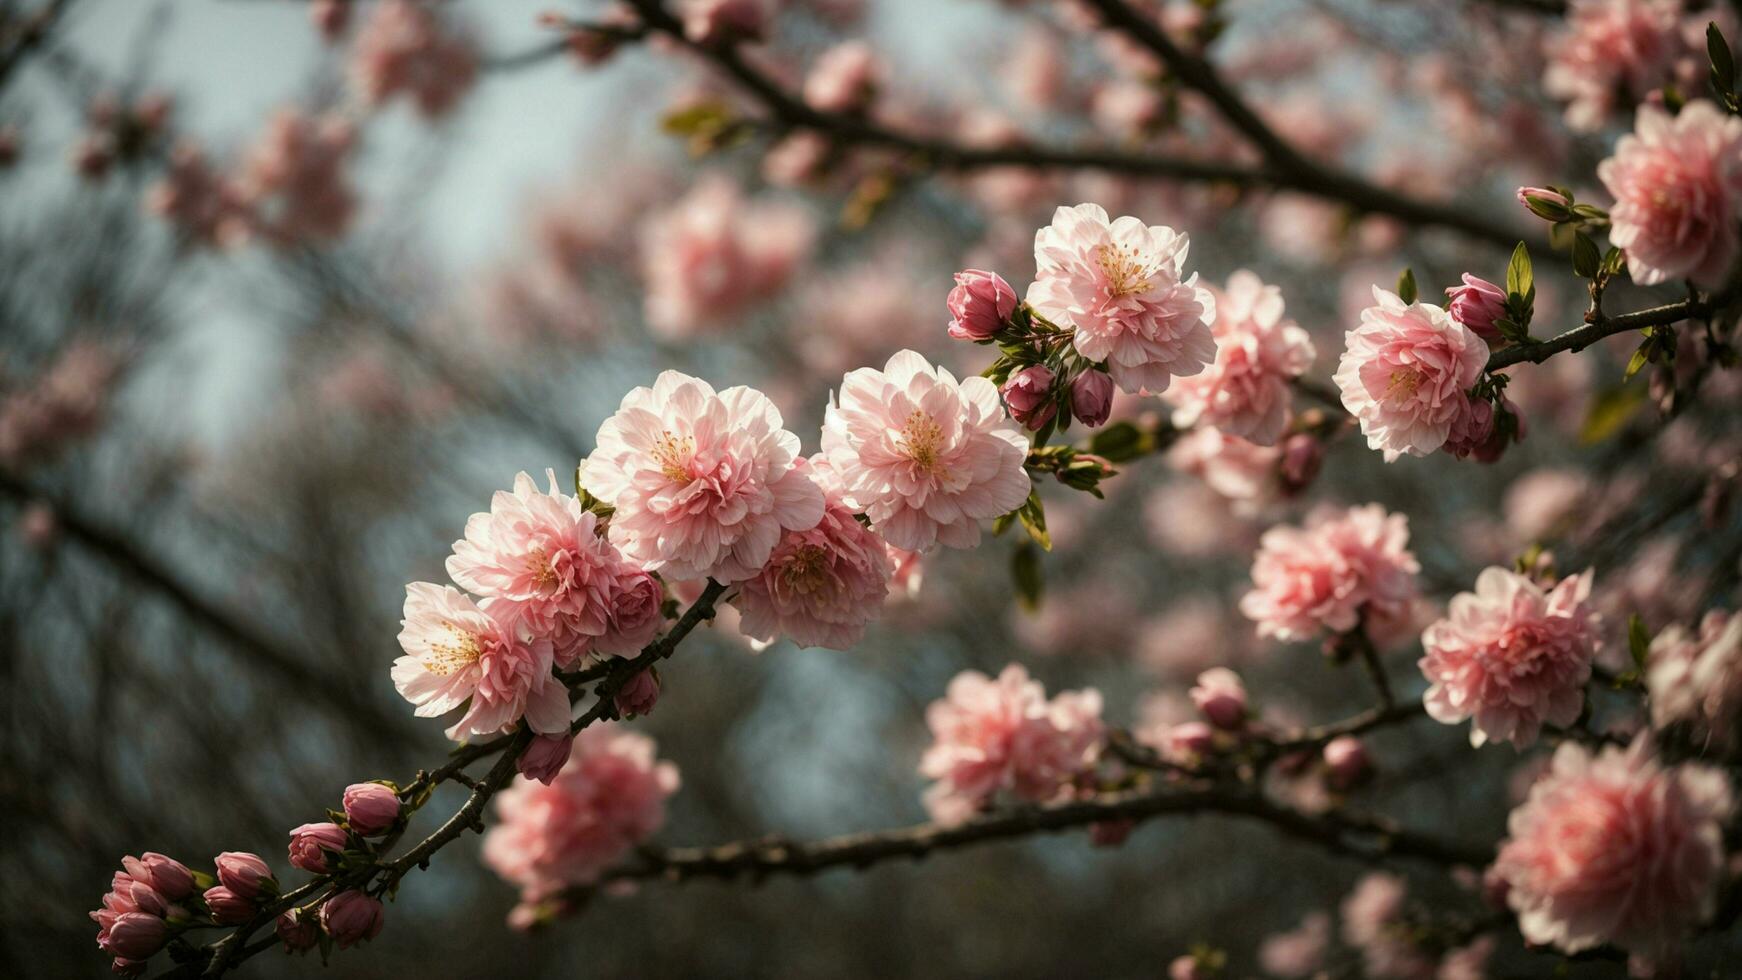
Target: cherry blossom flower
{"x":293,"y":185}
{"x":1695,"y":676}
{"x":1677,"y":183}
{"x":1372,"y":914}
{"x":404,"y":48}
{"x":543,"y":556}
{"x":1299,"y":952}
{"x":1238,"y":470}
{"x":1340,"y":571}
{"x":1611,"y":46}
{"x":1245,"y":391}
{"x":845,"y":78}
{"x":924,"y":456}
{"x":201,"y":202}
{"x":1616,"y":848}
{"x":608,"y":798}
{"x":704,"y":483}
{"x":1405,"y":374}
{"x":822,"y":585}
{"x":1512,"y":656}
{"x":1002,"y":735}
{"x":461,"y":653}
{"x":1121,"y":285}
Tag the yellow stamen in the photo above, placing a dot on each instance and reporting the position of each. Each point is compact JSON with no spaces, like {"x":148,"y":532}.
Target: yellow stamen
{"x":919,"y":440}
{"x":674,"y":455}
{"x":447,"y":658}
{"x":1127,"y":272}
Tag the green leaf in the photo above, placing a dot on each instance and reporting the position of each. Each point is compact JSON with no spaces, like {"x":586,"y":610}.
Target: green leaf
{"x":1640,"y":358}
{"x":1560,"y":235}
{"x":1638,"y":641}
{"x":1609,"y":412}
{"x":1613,"y":261}
{"x":1025,"y":572}
{"x":1586,"y":259}
{"x":1002,"y":522}
{"x":1117,"y":443}
{"x":1723,"y":65}
{"x":1032,"y":513}
{"x":1406,"y":286}
{"x":1520,"y":279}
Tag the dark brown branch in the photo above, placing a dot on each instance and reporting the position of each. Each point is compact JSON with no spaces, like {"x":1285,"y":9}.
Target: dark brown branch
{"x":1579,"y":338}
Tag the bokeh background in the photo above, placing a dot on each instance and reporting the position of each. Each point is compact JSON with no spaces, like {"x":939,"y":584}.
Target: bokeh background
{"x":200,"y":581}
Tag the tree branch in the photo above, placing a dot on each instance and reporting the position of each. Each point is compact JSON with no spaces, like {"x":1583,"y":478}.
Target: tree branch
{"x":1579,"y":338}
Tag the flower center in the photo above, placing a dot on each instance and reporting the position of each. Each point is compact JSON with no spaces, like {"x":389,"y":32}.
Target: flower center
{"x":1404,"y":382}
{"x":462,"y":651}
{"x":543,"y":572}
{"x":920,"y":439}
{"x":1126,"y":270}
{"x":804,"y":571}
{"x":673,"y":455}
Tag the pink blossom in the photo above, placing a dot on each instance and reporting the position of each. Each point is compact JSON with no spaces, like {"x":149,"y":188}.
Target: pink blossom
{"x":1347,"y":763}
{"x":1477,"y":304}
{"x":1119,"y":284}
{"x":1542,"y":503}
{"x":609,"y":798}
{"x":1030,"y":398}
{"x":1245,"y":391}
{"x":298,"y":932}
{"x":1511,"y":655}
{"x":1553,"y":198}
{"x":1677,"y":183}
{"x":545,"y":756}
{"x":992,"y":736}
{"x":907,"y":571}
{"x":370,"y":808}
{"x":1300,"y":952}
{"x":980,"y":305}
{"x":248,"y":875}
{"x":404,"y":48}
{"x":1695,"y":676}
{"x":1238,"y":470}
{"x":924,"y":456}
{"x":636,"y":614}
{"x":65,"y":403}
{"x":1372,"y":921}
{"x":844,"y":78}
{"x":1616,"y":848}
{"x":1405,"y":374}
{"x":1221,"y":697}
{"x":169,"y":876}
{"x":293,"y":185}
{"x":720,"y":21}
{"x":1302,"y":455}
{"x":1342,"y":570}
{"x":711,"y":256}
{"x":705,"y":483}
{"x":351,"y":917}
{"x":639,"y":694}
{"x":1611,"y":46}
{"x":135,"y":935}
{"x":313,"y":844}
{"x":201,"y":202}
{"x":543,"y":556}
{"x":228,"y":908}
{"x":458,"y":652}
{"x":821,"y":586}
{"x":1092,"y":397}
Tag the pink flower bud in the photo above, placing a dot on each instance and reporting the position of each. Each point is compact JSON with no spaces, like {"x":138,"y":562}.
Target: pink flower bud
{"x":980,"y":305}
{"x":370,"y":808}
{"x":135,"y":935}
{"x":1302,"y":455}
{"x":121,"y":966}
{"x":844,"y":78}
{"x":1346,"y":762}
{"x":298,"y":932}
{"x":351,"y":918}
{"x":1187,"y":968}
{"x":1028,"y":396}
{"x":169,"y":876}
{"x":544,"y":757}
{"x":524,"y":917}
{"x":227,"y":907}
{"x":144,"y":898}
{"x":1477,"y":304}
{"x":1191,"y":738}
{"x":1221,"y":697}
{"x":1092,"y":397}
{"x":1548,"y":205}
{"x":245,"y":874}
{"x":639,"y":694}
{"x":723,"y":21}
{"x":312,"y":844}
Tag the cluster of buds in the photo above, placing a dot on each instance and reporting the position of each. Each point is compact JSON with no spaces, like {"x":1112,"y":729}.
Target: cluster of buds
{"x":116,"y":131}
{"x":145,"y":908}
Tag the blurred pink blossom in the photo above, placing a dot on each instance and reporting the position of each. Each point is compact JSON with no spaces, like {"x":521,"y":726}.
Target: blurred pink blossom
{"x":405,"y":48}
{"x":1695,"y":676}
{"x":1340,"y":571}
{"x":1677,"y":184}
{"x":1245,"y":391}
{"x":1610,"y":47}
{"x":293,"y":184}
{"x":845,"y":78}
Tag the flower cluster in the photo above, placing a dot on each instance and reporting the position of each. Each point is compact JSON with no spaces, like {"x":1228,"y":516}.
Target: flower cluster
{"x":1513,"y":656}
{"x":1340,"y":572}
{"x":1611,"y":48}
{"x":1695,"y":677}
{"x":995,"y":736}
{"x":404,"y":48}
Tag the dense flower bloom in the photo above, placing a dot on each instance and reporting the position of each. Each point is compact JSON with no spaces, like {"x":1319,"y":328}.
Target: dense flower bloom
{"x":458,"y":651}
{"x":1245,"y":391}
{"x":704,"y":482}
{"x":845,"y":78}
{"x":370,"y":808}
{"x":543,"y":556}
{"x":1029,"y":396}
{"x":313,"y":844}
{"x":1512,"y":655}
{"x":924,"y":456}
{"x":1003,"y":735}
{"x":1677,"y":183}
{"x":1696,"y":676}
{"x":1628,"y":46}
{"x":1615,"y":848}
{"x":248,"y":875}
{"x":1477,"y":304}
{"x":711,"y":256}
{"x":610,"y":797}
{"x":1405,"y":374}
{"x":1119,"y":284}
{"x":980,"y":304}
{"x":351,"y":917}
{"x":1341,"y":570}
{"x":822,"y":585}
{"x":405,"y":48}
